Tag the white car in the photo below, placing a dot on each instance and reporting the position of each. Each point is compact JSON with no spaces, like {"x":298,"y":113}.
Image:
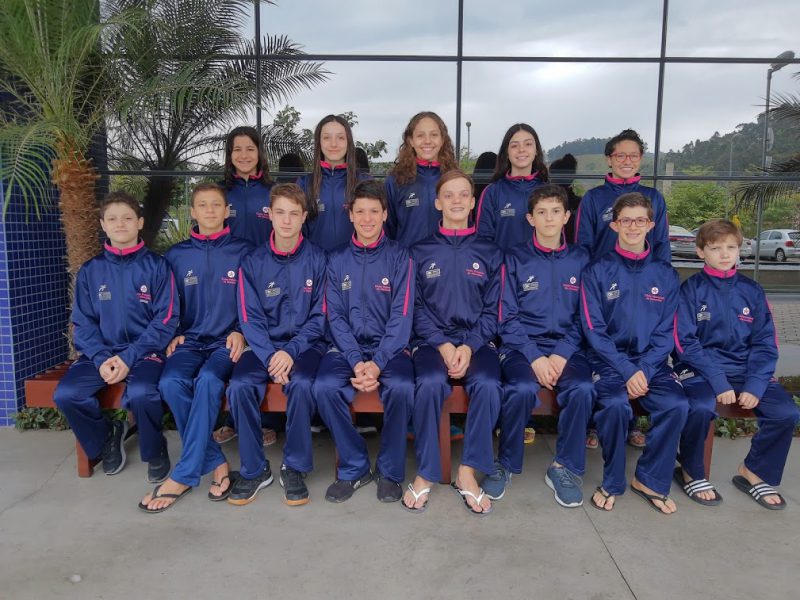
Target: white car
{"x":779,"y":244}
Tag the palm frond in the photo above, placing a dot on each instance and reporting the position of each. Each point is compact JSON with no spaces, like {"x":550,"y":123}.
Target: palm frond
{"x":26,"y":152}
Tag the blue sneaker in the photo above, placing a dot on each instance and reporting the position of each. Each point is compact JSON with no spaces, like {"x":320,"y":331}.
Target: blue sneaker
{"x":494,"y":484}
{"x":565,"y":485}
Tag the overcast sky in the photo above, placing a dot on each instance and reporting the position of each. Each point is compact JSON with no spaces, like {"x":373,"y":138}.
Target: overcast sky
{"x":561,"y":101}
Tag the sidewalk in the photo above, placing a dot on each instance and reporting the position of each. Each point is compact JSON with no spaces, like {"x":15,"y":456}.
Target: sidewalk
{"x":54,"y":525}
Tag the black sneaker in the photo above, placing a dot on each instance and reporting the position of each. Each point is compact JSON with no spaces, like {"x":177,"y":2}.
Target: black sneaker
{"x":388,"y":490}
{"x":244,"y":491}
{"x":294,"y":487}
{"x":114,"y":449}
{"x":342,"y":489}
{"x":158,"y":468}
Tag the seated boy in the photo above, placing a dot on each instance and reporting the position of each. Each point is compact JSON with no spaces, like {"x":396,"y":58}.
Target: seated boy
{"x":628,"y":300}
{"x":281,"y":289}
{"x":541,"y":332}
{"x":455,"y":321}
{"x":124,"y":316}
{"x":369,"y":295}
{"x":725,"y":351}
{"x":200,"y":358}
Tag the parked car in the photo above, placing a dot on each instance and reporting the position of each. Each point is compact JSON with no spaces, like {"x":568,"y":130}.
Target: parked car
{"x":681,"y":241}
{"x":747,"y":249}
{"x":779,"y":244}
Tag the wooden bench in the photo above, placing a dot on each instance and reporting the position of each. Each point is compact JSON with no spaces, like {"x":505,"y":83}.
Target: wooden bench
{"x":39,"y":393}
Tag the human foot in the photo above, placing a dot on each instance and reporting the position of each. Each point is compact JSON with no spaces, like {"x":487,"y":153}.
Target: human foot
{"x":603,"y":500}
{"x":163,"y":496}
{"x":418,"y":498}
{"x":661,"y":503}
{"x":476,"y":500}
{"x":764,"y":495}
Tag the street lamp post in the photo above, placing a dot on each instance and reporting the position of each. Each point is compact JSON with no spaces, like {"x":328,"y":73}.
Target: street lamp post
{"x":468,"y":136}
{"x":781,"y":61}
{"x":730,"y":171}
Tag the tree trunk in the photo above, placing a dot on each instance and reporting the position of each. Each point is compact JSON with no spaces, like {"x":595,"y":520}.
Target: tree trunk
{"x":159,"y":192}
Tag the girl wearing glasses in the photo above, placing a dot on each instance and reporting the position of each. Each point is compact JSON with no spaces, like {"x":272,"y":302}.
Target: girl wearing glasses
{"x":624,"y":153}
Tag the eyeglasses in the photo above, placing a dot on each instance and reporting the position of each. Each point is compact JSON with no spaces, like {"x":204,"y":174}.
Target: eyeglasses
{"x":639,"y":222}
{"x":622,"y":156}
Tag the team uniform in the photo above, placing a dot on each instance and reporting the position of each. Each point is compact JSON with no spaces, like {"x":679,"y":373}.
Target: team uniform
{"x":628,"y":304}
{"x":412,"y":214}
{"x":539,"y":317}
{"x":501,"y":211}
{"x":206,"y":271}
{"x":249,"y":218}
{"x":124,"y":305}
{"x":725,"y":339}
{"x":370,"y":295}
{"x":280,"y":308}
{"x":332,"y":227}
{"x":458,"y":294}
{"x":596,"y":211}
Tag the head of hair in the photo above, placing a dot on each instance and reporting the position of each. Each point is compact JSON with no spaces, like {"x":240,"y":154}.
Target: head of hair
{"x":566,"y":164}
{"x":503,"y":165}
{"x":291,"y":163}
{"x":120,"y":198}
{"x":622,"y":136}
{"x":208,"y":186}
{"x":716,"y":229}
{"x":362,"y":160}
{"x":290,"y":191}
{"x":450,"y":176}
{"x":548,"y":190}
{"x":370,"y":189}
{"x":486,"y":161}
{"x":349,"y":158}
{"x":262,"y":165}
{"x":405,"y":166}
{"x":632,"y":200}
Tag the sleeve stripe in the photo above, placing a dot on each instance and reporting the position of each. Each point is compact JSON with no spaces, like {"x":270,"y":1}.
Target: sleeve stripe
{"x":480,"y":207}
{"x":585,"y":307}
{"x":502,"y":289}
{"x":241,"y":296}
{"x":675,"y":333}
{"x":171,"y":297}
{"x":408,"y":288}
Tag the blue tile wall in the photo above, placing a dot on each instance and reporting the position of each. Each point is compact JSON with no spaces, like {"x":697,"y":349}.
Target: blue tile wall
{"x":33,"y":300}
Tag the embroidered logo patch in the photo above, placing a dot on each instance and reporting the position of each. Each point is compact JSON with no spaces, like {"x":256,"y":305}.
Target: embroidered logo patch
{"x":412,"y":200}
{"x":190,"y":278}
{"x":432,"y":271}
{"x":507,"y":211}
{"x":346,"y":283}
{"x":264,"y":214}
{"x":475,"y":271}
{"x":103,"y":293}
{"x":571,"y":286}
{"x":383,"y":286}
{"x":272,"y":290}
{"x":320,"y":206}
{"x":745,"y":316}
{"x":703,"y":314}
{"x":608,"y":214}
{"x":613,"y":292}
{"x":230,"y":278}
{"x":530,"y":284}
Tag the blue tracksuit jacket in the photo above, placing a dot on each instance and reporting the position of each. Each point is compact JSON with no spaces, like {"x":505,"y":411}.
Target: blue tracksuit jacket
{"x":124,"y":305}
{"x":281,"y":299}
{"x":724,"y":328}
{"x":541,"y":292}
{"x":412,"y":214}
{"x":206,"y":270}
{"x":370,"y":300}
{"x":458,"y":289}
{"x":595,"y":213}
{"x":628,"y":305}
{"x":502,"y":208}
{"x":249,"y":200}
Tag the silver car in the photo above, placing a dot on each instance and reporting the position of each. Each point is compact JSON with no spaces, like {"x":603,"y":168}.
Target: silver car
{"x":779,"y":244}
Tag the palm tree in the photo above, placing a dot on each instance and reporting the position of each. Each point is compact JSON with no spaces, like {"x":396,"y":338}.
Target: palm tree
{"x":179,"y":52}
{"x":51,"y":69}
{"x":787,"y":110}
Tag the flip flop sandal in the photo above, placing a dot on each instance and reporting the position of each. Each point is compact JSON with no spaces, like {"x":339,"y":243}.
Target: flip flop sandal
{"x":417,"y":495}
{"x":232,"y":476}
{"x":650,"y":499}
{"x":599,"y":489}
{"x":268,"y":437}
{"x":224,"y":434}
{"x":758,"y":491}
{"x":463,"y":495}
{"x":155,"y":495}
{"x":695,"y":486}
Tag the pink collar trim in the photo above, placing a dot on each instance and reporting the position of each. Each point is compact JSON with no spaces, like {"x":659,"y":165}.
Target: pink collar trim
{"x":214,"y":236}
{"x":425,"y":163}
{"x":374,"y":244}
{"x":530,"y":177}
{"x":326,"y":165}
{"x":611,"y":179}
{"x":561,"y":248}
{"x":717,"y":273}
{"x":274,"y":248}
{"x":124,"y":251}
{"x":258,"y":175}
{"x":456,"y":232}
{"x":632,"y":255}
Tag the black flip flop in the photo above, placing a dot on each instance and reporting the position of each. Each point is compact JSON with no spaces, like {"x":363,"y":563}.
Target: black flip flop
{"x":605,"y":495}
{"x":155,"y":495}
{"x":695,"y":486}
{"x":232,"y":476}
{"x":649,"y":498}
{"x":758,"y":491}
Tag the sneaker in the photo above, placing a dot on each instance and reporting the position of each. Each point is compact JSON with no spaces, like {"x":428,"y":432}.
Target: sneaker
{"x":494,"y":484}
{"x":636,"y":438}
{"x":566,"y":486}
{"x":244,"y":491}
{"x":592,"y":440}
{"x":388,"y":490}
{"x":158,"y":469}
{"x":342,"y":489}
{"x":113,"y":453}
{"x":295,"y":492}
{"x":318,"y":428}
{"x":364,"y":429}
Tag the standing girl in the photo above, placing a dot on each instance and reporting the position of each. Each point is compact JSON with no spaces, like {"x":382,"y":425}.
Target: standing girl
{"x":519,"y":169}
{"x":426,"y":153}
{"x":247,"y":183}
{"x":328,"y":186}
